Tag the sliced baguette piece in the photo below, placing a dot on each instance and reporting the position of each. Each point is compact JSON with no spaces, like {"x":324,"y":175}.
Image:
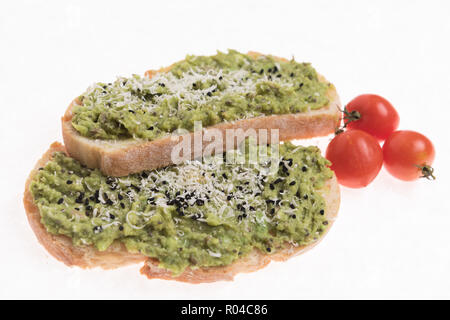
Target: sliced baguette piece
{"x":120,"y":158}
{"x":116,"y":255}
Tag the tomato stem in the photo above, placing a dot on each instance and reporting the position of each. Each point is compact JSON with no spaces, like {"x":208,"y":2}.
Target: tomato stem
{"x":348,"y":117}
{"x":427,"y":171}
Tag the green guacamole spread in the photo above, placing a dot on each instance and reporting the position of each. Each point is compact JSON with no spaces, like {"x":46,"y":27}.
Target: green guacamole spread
{"x":211,"y":89}
{"x":197,"y":214}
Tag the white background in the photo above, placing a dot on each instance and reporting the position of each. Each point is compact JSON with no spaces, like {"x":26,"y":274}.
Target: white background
{"x":391,"y":239}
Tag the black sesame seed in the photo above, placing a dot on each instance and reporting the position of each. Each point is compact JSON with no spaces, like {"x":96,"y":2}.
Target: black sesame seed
{"x":293,"y":216}
{"x":304,"y":168}
{"x":122,"y":205}
{"x":60,"y":201}
{"x":300,"y":85}
{"x":322,"y":212}
{"x":291,"y":75}
{"x":268,"y":249}
{"x":278,"y":181}
{"x":272,"y":187}
{"x":69,"y":181}
{"x":292,"y":183}
{"x":88,"y":208}
{"x":121,"y":228}
{"x":244,"y":215}
{"x":272,"y":211}
{"x":229,"y":198}
{"x":269,"y":70}
{"x":305,"y":197}
{"x":98,"y":229}
{"x":224,"y":175}
{"x":279,"y":75}
{"x":78,"y":209}
{"x":131,"y":111}
{"x":292,"y":206}
{"x":136,"y":188}
{"x":261,"y":71}
{"x":162,"y":85}
{"x":220,"y":78}
{"x":252,"y":208}
{"x":111,"y":216}
{"x":200,"y":202}
{"x":151,"y":128}
{"x":209,"y":94}
{"x":120,"y":196}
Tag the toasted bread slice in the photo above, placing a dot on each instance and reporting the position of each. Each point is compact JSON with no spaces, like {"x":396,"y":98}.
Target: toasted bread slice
{"x":116,"y":255}
{"x":120,"y":158}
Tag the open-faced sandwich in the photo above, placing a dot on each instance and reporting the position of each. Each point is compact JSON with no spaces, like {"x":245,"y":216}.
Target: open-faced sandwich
{"x":127,"y":126}
{"x":200,"y":221}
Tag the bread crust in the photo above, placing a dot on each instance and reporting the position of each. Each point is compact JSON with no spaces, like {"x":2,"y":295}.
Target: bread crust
{"x":120,"y":158}
{"x":116,"y":255}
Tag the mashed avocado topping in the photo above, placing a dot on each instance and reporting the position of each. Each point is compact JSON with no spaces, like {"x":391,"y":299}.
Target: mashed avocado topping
{"x":197,"y":214}
{"x":211,"y":89}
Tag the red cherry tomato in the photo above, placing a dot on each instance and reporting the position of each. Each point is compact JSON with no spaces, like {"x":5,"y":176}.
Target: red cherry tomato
{"x":408,"y":155}
{"x":356,"y":158}
{"x":372,"y":114}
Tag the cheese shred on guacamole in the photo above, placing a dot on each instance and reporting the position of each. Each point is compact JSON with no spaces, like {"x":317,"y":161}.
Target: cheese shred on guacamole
{"x":198,"y":214}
